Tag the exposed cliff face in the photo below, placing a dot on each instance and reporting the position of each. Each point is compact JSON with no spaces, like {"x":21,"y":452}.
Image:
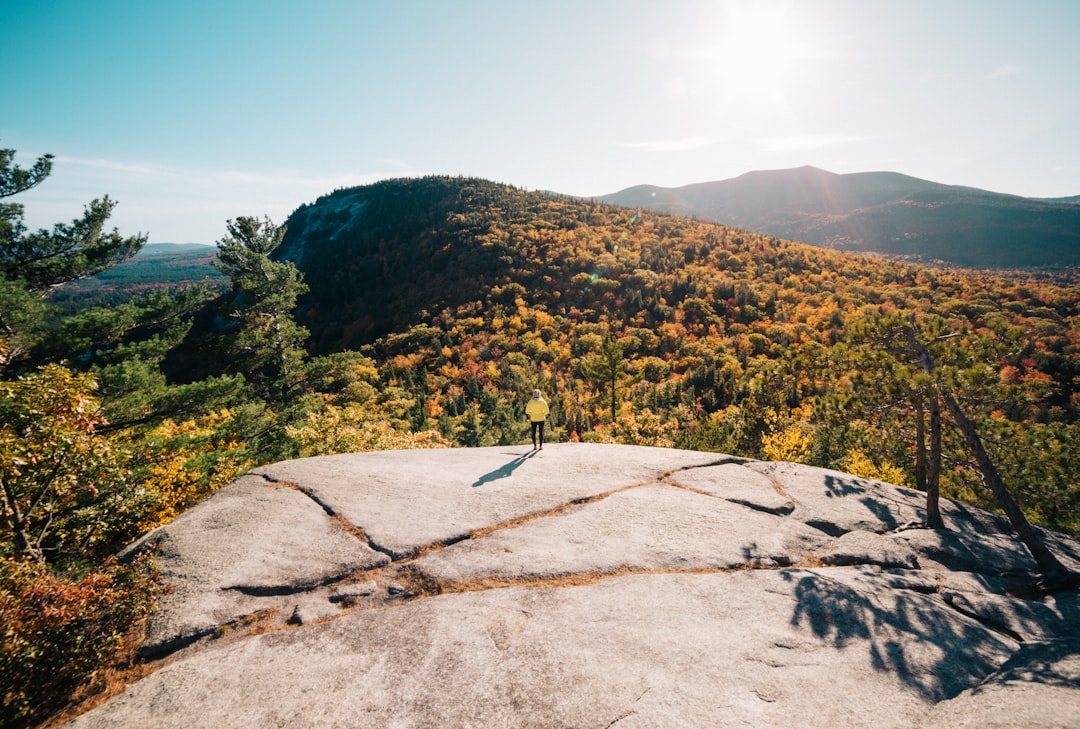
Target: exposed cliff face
{"x":592,"y":585}
{"x":376,"y":257}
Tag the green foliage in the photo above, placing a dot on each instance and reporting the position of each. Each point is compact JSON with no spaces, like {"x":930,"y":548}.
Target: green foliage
{"x":57,"y":631}
{"x":14,"y":179}
{"x":155,"y":266}
{"x":605,"y":368}
{"x":71,"y":251}
{"x":266,"y":345}
{"x":145,"y":327}
{"x":126,"y":345}
{"x":22,"y":320}
{"x":33,"y":263}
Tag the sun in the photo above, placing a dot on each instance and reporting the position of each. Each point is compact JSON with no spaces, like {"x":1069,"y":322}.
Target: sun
{"x":759,"y":52}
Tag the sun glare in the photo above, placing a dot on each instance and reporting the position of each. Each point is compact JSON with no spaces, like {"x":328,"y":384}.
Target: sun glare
{"x":760,"y":53}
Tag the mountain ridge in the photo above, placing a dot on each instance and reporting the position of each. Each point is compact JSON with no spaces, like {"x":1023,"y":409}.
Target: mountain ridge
{"x":881,"y":212}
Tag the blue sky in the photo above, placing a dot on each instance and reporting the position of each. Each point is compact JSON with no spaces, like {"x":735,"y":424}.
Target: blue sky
{"x":192,"y":113}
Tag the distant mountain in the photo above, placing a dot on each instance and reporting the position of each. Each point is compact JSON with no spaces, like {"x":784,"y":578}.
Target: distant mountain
{"x":184,"y":250}
{"x":882,"y":212}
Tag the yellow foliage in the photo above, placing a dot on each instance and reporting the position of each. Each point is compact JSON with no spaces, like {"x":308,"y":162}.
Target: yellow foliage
{"x":858,"y":463}
{"x":790,"y":442}
{"x":351,"y":429}
{"x":181,"y":474}
{"x":637,"y":427}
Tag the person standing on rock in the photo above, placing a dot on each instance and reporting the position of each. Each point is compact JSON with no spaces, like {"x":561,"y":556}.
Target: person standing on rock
{"x":537,"y":412}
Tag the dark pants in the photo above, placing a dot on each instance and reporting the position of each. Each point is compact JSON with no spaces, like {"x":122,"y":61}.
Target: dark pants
{"x":537,"y":427}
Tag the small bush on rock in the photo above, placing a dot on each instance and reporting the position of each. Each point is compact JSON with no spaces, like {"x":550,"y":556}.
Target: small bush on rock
{"x":57,"y":632}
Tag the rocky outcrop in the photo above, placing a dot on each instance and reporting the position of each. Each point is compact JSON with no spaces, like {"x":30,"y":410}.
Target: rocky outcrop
{"x":594,"y":586}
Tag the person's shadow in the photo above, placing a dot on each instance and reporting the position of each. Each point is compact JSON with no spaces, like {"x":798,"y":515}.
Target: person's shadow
{"x":504,"y":471}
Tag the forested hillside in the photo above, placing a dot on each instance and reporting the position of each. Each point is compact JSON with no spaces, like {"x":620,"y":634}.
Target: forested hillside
{"x":652,"y":328}
{"x":882,"y":212}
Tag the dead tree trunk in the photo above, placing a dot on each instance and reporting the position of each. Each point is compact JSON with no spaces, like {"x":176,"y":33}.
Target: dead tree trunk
{"x":1047,"y":562}
{"x":928,"y":460}
{"x":933,"y":473}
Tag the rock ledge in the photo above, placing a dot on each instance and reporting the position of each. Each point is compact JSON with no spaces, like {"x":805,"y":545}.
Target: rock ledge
{"x":593,"y":586}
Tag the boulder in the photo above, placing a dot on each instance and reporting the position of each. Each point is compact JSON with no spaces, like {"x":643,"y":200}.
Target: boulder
{"x":592,"y":586}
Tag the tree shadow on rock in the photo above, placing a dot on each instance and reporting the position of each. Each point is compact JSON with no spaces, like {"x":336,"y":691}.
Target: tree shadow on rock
{"x":1054,"y":662}
{"x":755,"y":556}
{"x":913,"y":636}
{"x":874,"y":502}
{"x":1042,"y":663}
{"x":836,"y":487}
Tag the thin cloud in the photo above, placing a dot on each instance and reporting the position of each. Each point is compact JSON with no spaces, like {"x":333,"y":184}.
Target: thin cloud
{"x":1003,"y":72}
{"x":134,"y":174}
{"x":276,"y":178}
{"x":181,"y":203}
{"x":112,"y":166}
{"x":293,"y":179}
{"x":805,"y":142}
{"x":683,"y":144}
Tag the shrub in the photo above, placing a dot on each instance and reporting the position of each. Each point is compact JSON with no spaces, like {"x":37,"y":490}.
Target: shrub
{"x":55,"y":464}
{"x":58,"y":632}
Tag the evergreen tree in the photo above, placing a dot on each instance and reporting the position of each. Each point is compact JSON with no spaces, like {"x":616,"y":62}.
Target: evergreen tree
{"x":22,"y":319}
{"x":71,"y":251}
{"x":605,"y":369}
{"x":266,"y":344}
{"x":31,"y":264}
{"x":14,"y":179}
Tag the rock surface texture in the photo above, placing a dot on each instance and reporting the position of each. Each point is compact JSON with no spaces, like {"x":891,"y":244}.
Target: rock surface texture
{"x":594,"y":586}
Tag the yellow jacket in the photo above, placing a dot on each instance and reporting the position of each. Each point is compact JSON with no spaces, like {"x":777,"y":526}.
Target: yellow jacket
{"x":537,"y":410}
